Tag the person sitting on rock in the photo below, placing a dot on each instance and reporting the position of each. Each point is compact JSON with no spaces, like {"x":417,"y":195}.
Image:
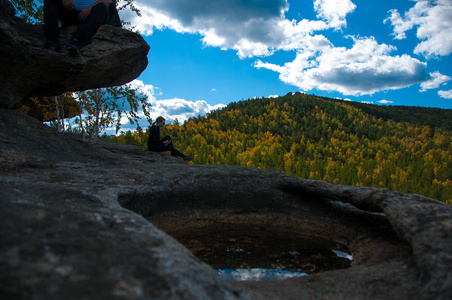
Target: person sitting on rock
{"x":88,"y":15}
{"x":161,"y":145}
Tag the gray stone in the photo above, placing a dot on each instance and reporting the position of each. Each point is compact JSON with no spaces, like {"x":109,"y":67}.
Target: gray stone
{"x":64,"y":235}
{"x":114,"y":56}
{"x":85,"y":221}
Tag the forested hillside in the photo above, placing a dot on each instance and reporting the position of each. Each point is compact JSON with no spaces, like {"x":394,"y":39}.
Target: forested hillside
{"x":401,"y":148}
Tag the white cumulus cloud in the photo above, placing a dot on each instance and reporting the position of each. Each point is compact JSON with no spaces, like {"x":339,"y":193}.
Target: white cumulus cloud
{"x":436,"y":79}
{"x":433,"y":20}
{"x":181,"y":109}
{"x":251,"y":27}
{"x":146,"y":89}
{"x":170,"y":109}
{"x":366,"y":68}
{"x":334,"y":11}
{"x":385,"y":101}
{"x":445,"y":94}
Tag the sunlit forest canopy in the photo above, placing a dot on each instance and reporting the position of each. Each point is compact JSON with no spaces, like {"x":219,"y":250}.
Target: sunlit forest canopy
{"x":400,"y":148}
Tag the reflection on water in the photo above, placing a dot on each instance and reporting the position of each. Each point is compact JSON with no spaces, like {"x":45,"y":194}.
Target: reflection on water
{"x":343,"y":254}
{"x":257,"y":274}
{"x":263,"y":255}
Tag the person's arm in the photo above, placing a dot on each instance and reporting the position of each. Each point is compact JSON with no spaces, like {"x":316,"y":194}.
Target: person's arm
{"x":166,"y":140}
{"x":85,"y":12}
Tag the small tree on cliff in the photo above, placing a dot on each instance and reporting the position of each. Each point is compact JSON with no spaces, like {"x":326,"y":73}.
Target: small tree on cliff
{"x":52,"y":109}
{"x":104,"y":107}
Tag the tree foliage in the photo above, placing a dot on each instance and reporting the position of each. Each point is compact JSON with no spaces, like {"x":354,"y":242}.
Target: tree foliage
{"x":93,"y":110}
{"x":326,"y":139}
{"x":32,"y":11}
{"x":103,"y":108}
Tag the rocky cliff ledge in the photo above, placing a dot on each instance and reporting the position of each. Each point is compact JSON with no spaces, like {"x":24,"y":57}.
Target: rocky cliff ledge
{"x":80,"y":221}
{"x":114,"y":57}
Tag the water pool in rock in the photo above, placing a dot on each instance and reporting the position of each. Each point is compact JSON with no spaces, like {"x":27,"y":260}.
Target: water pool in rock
{"x":257,"y":274}
{"x":262,"y":255}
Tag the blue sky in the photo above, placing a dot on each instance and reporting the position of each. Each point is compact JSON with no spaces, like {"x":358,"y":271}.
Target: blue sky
{"x":206,"y":53}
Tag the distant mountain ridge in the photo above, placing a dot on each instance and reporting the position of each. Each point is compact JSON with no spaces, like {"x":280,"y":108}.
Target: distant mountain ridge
{"x":416,"y":115}
{"x":432,"y":116}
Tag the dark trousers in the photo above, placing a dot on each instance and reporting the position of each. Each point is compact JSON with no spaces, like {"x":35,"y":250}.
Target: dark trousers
{"x":163,"y":148}
{"x":54,"y":12}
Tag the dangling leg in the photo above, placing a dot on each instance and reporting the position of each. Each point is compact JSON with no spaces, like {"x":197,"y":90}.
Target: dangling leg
{"x":175,"y":152}
{"x":98,"y":15}
{"x":54,"y":11}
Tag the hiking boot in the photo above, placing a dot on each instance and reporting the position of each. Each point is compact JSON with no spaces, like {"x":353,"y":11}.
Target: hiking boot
{"x":73,"y":46}
{"x":52,"y":45}
{"x":188,"y":158}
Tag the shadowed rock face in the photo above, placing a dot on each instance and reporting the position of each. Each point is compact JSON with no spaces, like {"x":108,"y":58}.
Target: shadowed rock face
{"x":72,"y":226}
{"x":64,"y":235}
{"x":113,"y":57}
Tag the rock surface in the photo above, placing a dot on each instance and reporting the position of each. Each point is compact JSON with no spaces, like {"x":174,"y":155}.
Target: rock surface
{"x":72,"y":225}
{"x":64,"y":235}
{"x":115,"y":56}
